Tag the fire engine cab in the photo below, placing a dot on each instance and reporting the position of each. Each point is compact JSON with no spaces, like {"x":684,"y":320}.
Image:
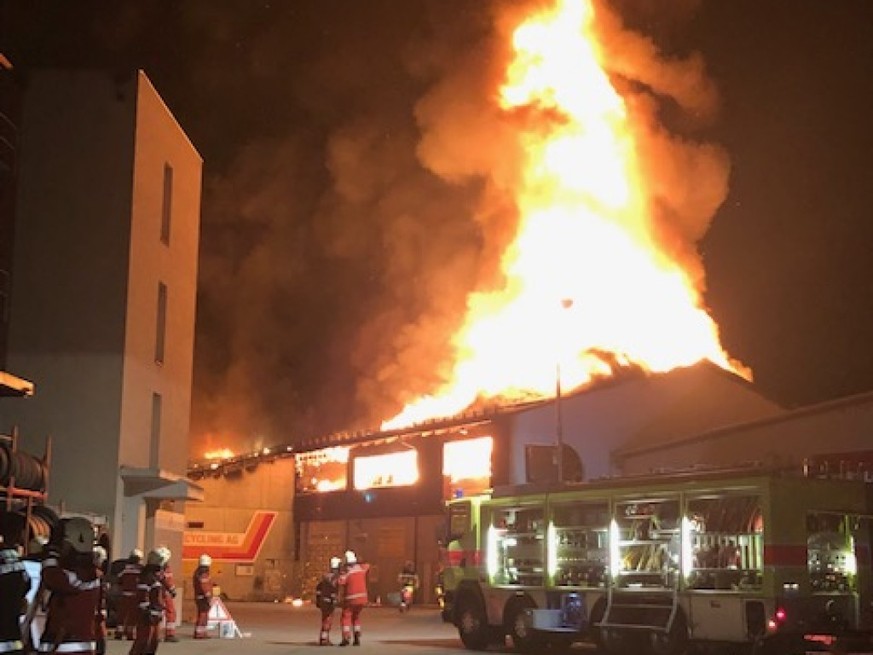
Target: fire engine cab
{"x":749,"y":560}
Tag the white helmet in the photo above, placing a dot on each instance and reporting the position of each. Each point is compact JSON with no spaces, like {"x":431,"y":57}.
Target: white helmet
{"x":100,"y":555}
{"x":205,"y":560}
{"x":79,"y":533}
{"x":351,"y":558}
{"x":335,"y":563}
{"x":155,"y":558}
{"x":165,"y":554}
{"x":136,"y":554}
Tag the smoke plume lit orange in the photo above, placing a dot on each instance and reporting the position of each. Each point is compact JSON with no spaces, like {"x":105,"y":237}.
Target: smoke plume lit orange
{"x":603,"y":269}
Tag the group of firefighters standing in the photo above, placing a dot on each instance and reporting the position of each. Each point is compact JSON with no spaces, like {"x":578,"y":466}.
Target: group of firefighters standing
{"x":73,"y":592}
{"x":135,"y":578}
{"x":345,"y":586}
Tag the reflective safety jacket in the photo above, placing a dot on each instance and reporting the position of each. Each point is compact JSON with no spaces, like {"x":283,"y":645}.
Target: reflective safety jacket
{"x":75,"y":591}
{"x":128,"y":578}
{"x":14,"y":585}
{"x":202,"y":585}
{"x":326,"y":591}
{"x":150,"y":596}
{"x":354,"y":584}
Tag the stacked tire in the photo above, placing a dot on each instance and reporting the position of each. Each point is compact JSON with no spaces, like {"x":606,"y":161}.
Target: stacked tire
{"x":25,"y":470}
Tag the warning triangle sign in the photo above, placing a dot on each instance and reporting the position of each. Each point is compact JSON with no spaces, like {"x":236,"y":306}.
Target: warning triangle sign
{"x":218,"y":611}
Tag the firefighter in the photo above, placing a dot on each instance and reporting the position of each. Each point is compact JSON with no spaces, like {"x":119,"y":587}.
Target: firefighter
{"x":326,"y":597}
{"x":408,"y":581}
{"x":100,"y":557}
{"x":128,"y":579}
{"x":202,"y":596}
{"x":353,"y":590}
{"x":69,"y":576}
{"x":14,"y":585}
{"x":169,"y":588}
{"x":150,"y":605}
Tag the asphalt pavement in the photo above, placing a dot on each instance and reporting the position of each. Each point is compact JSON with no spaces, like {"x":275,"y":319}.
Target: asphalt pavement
{"x":282,"y":628}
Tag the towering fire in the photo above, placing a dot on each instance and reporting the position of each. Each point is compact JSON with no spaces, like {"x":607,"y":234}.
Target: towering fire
{"x":595,"y":276}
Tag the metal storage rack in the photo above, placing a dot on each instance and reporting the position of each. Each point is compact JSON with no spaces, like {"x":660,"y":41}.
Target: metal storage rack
{"x":22,"y":498}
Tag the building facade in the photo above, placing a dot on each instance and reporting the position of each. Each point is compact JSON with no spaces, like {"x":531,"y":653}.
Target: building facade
{"x":246,"y":525}
{"x":103,"y":291}
{"x":383,"y":494}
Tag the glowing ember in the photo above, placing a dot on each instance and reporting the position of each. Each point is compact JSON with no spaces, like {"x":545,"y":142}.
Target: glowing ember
{"x":590,"y":282}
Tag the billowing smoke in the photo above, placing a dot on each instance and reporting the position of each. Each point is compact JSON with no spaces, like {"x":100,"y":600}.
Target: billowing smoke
{"x":335,"y":266}
{"x":371,"y":192}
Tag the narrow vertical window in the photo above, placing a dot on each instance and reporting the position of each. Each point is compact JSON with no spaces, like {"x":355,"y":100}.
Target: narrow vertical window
{"x":160,"y":333}
{"x":167,"y":204}
{"x":155,"y":436}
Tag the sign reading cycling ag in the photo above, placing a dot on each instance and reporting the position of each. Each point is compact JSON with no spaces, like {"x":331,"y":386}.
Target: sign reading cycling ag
{"x":230,"y":546}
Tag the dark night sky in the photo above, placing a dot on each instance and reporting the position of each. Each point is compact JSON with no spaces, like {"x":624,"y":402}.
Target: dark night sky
{"x":334,"y":265}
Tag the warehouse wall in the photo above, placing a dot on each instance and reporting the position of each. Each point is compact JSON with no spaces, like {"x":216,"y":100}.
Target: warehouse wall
{"x":246,"y":526}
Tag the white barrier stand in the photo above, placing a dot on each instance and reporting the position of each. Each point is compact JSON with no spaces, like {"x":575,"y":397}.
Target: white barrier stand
{"x":219,"y":618}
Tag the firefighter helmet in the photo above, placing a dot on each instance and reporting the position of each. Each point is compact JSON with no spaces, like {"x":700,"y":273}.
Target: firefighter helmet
{"x":100,"y":555}
{"x":79,"y":533}
{"x":165,"y":554}
{"x":335,"y":563}
{"x":205,"y":560}
{"x":155,"y":558}
{"x":351,"y":558}
{"x":37,"y":544}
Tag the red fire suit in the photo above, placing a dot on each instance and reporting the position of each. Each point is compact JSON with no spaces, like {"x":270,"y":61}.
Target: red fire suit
{"x":100,"y":616}
{"x":128,"y":580}
{"x":203,"y":600}
{"x":150,"y":611}
{"x":74,"y":602}
{"x":14,"y":585}
{"x":169,"y":593}
{"x":353,"y":583}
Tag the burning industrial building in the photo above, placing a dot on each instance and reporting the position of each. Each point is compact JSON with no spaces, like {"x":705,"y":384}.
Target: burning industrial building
{"x":586,"y":345}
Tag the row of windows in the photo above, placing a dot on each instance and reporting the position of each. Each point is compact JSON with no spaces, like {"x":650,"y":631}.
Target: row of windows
{"x":166,"y":219}
{"x":466,"y":468}
{"x":161,"y":318}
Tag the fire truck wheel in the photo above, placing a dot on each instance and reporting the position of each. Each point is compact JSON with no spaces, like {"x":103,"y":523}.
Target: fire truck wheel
{"x":472,"y":624}
{"x":524,"y":640}
{"x":623,"y":642}
{"x":560,"y":644}
{"x":674,"y":642}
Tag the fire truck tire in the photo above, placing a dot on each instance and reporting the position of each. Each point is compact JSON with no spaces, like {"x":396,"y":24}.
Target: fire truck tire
{"x":472,"y":623}
{"x":560,"y":644}
{"x":623,"y":642}
{"x":674,"y":642}
{"x":524,"y":639}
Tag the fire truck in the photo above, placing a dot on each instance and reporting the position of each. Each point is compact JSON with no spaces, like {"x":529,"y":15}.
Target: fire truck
{"x":743,"y":560}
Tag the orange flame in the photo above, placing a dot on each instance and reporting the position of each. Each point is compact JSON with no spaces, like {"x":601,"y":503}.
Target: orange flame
{"x":221,"y":453}
{"x":584,"y":275}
